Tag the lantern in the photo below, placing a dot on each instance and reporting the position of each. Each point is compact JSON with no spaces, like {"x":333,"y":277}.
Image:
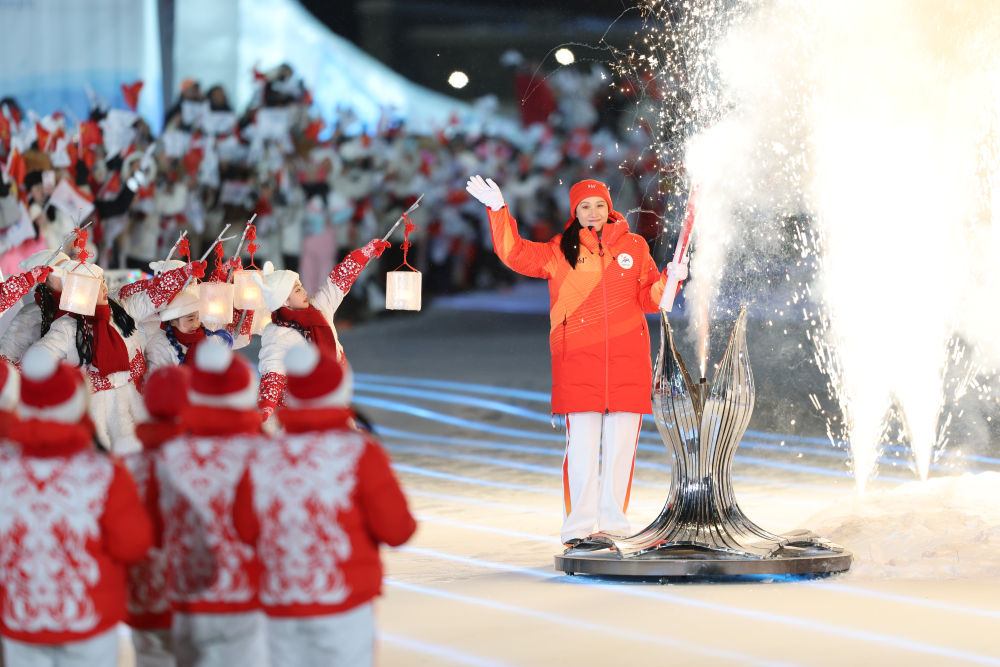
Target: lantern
{"x":79,"y":293}
{"x":261,"y":318}
{"x":402,"y":290}
{"x":215,"y":306}
{"x":247,"y":294}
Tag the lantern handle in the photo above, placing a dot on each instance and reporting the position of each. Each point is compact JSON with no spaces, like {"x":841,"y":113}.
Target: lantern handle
{"x":243,"y":238}
{"x":171,"y":253}
{"x":218,"y":239}
{"x":402,"y":217}
{"x":63,"y":242}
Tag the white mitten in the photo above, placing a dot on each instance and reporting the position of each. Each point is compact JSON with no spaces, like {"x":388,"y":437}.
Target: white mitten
{"x":486,"y":192}
{"x":677,"y":271}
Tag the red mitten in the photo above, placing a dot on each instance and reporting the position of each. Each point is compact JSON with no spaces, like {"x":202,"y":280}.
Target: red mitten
{"x":39,"y":274}
{"x":375,"y":248}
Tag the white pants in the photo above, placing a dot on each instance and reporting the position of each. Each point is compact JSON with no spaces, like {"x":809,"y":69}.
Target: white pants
{"x":97,"y":651}
{"x":597,"y":471}
{"x":153,"y":648}
{"x":323,"y":641}
{"x":220,"y":640}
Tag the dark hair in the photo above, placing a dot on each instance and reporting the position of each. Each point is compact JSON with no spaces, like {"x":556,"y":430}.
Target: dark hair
{"x":85,"y":330}
{"x":570,"y":242}
{"x":47,"y":305}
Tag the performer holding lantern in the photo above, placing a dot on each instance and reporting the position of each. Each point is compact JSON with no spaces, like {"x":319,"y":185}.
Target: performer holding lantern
{"x":601,"y":280}
{"x":296,"y":318}
{"x":100,"y":338}
{"x":34,"y":319}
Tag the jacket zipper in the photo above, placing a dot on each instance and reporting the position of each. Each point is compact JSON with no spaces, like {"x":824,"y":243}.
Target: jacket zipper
{"x":607,"y":333}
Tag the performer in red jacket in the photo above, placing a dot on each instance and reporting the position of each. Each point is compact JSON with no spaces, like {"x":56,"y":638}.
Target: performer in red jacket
{"x":601,"y":281}
{"x":212,"y":575}
{"x":70,"y":521}
{"x":317,"y":504}
{"x":149,"y":615}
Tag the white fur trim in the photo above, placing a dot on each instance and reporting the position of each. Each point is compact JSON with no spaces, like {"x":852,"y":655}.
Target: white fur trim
{"x":39,"y":259}
{"x":38,"y":364}
{"x":162,"y":266}
{"x":244,"y":399}
{"x":183,"y":304}
{"x":212,"y":356}
{"x":68,"y":412}
{"x":301,"y":360}
{"x":10,"y":395}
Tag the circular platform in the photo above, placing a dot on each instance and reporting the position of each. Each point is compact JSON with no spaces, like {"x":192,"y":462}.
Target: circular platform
{"x":681,"y":562}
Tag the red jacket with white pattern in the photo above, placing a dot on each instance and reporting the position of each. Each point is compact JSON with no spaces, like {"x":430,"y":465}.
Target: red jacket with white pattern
{"x":70,"y":521}
{"x":316,"y":503}
{"x":209,"y":569}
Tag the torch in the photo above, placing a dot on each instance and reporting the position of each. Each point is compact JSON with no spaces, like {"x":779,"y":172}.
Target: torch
{"x":680,"y":252}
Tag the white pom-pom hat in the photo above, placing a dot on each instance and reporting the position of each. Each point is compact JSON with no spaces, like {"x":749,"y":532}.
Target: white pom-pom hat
{"x":162,"y":266}
{"x":10,"y":386}
{"x":182,"y":304}
{"x":275,"y":285}
{"x":221,"y":379}
{"x":51,"y":390}
{"x":316,"y":379}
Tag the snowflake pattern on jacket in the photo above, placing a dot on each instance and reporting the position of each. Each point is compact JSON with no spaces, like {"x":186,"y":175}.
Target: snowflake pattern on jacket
{"x":210,"y":568}
{"x":302,"y":542}
{"x":55,"y":509}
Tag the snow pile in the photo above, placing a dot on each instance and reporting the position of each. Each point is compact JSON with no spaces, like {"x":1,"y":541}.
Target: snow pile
{"x":941,"y":528}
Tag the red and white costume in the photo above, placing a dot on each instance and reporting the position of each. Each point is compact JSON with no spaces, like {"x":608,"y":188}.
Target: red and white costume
{"x":316,"y":504}
{"x":70,"y":520}
{"x":115,"y":399}
{"x":277,"y":339}
{"x":26,"y":325}
{"x":149,"y":612}
{"x":212,"y":583}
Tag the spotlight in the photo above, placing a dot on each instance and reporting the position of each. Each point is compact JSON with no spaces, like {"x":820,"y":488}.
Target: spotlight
{"x":565,"y":57}
{"x":458,"y":79}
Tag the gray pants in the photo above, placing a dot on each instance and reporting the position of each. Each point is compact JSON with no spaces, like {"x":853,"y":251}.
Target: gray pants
{"x":323,"y":641}
{"x":97,"y":651}
{"x":220,"y":640}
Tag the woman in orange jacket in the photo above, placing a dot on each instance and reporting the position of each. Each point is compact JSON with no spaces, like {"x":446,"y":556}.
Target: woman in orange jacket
{"x":602,"y":280}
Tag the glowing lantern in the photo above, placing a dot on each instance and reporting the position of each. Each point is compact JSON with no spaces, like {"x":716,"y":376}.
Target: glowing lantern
{"x":261,"y":318}
{"x":215,"y":307}
{"x":402,"y":290}
{"x":79,"y":293}
{"x":247,"y":294}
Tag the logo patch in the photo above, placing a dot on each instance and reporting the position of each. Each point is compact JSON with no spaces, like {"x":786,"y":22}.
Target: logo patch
{"x":625,"y":260}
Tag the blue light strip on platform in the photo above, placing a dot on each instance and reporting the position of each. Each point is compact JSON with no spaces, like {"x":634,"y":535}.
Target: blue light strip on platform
{"x":437,"y":651}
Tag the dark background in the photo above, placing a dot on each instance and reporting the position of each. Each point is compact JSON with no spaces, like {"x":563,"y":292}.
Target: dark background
{"x":425,"y":40}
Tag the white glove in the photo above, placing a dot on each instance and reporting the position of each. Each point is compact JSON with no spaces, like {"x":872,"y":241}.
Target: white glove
{"x":677,"y":271}
{"x":486,"y":192}
{"x":137,"y":180}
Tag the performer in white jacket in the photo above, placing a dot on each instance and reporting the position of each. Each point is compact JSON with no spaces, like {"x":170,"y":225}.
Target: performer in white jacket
{"x":297,"y":318}
{"x":108,"y":346}
{"x":34,"y":319}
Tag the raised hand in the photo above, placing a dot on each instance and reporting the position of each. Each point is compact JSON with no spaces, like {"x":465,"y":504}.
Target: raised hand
{"x":487,"y":192}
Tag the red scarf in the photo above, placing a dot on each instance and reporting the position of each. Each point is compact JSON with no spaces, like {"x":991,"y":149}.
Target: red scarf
{"x":153,"y":434}
{"x":313,"y":323}
{"x":319,"y":419}
{"x":188,"y":340}
{"x":56,"y":296}
{"x":110,"y":352}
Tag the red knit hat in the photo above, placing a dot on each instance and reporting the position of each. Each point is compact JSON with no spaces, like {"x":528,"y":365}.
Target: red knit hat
{"x":588,"y":188}
{"x":220,"y":379}
{"x":316,"y":379}
{"x":591,"y":188}
{"x":51,"y":390}
{"x":165,"y":392}
{"x":10,"y":386}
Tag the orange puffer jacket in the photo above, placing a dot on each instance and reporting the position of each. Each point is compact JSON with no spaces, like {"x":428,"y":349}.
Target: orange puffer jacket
{"x":598,"y":333}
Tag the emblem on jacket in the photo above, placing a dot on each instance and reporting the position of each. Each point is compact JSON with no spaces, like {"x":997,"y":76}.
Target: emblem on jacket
{"x":625,"y":260}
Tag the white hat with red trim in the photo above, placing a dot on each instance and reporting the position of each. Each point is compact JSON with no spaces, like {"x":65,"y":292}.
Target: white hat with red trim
{"x":275,"y":285}
{"x":221,"y":379}
{"x":10,"y":386}
{"x":51,"y":390}
{"x":316,"y":379}
{"x":182,"y":304}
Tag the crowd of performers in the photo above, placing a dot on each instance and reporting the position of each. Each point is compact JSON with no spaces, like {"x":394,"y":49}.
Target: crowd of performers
{"x":146,"y":476}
